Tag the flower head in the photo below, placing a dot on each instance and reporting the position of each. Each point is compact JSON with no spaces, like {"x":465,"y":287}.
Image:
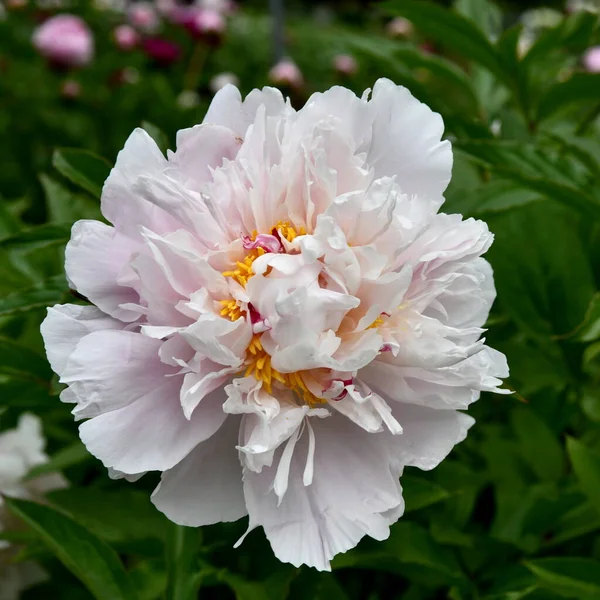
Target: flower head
{"x":286,"y":73}
{"x":591,"y":59}
{"x":281,"y":321}
{"x":143,"y":16}
{"x":65,"y":40}
{"x":345,"y":64}
{"x":163,"y":51}
{"x":399,"y":27}
{"x":126,"y":37}
{"x":21,"y":449}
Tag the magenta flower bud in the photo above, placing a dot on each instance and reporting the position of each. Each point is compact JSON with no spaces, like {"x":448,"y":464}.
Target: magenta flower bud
{"x":591,"y":59}
{"x":345,"y":64}
{"x":162,"y":51}
{"x":65,"y":40}
{"x":143,"y":17}
{"x":399,"y":27}
{"x":126,"y":37}
{"x":286,"y":73}
{"x":70,"y":89}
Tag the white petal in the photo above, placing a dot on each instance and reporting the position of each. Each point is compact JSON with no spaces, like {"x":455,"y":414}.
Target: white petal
{"x":65,"y":325}
{"x":152,"y":433}
{"x":406,"y":142}
{"x":353,"y":486}
{"x":95,"y":258}
{"x":206,"y":486}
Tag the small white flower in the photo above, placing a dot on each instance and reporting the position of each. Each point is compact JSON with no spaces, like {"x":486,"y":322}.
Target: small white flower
{"x":283,"y":321}
{"x":21,"y":449}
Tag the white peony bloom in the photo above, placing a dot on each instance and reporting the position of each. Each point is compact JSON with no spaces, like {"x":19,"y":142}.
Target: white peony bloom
{"x":283,"y":321}
{"x":21,"y":449}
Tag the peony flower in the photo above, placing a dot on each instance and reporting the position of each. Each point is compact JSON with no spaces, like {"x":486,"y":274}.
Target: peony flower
{"x":399,"y":27}
{"x":281,"y":321}
{"x":286,"y":73}
{"x":126,"y":37}
{"x":21,"y":449}
{"x":345,"y":64}
{"x":143,"y":16}
{"x":221,"y":80}
{"x":70,"y":89}
{"x":591,"y":59}
{"x":65,"y":40}
{"x":163,"y":51}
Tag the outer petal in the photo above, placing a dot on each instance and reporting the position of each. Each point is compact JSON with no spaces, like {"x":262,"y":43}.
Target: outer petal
{"x":95,"y":258}
{"x":112,"y":369}
{"x":124,"y":207}
{"x":65,"y":325}
{"x":228,"y":110}
{"x":354,"y":484}
{"x":406,"y":142}
{"x":152,"y":434}
{"x":428,"y":434}
{"x":206,"y":486}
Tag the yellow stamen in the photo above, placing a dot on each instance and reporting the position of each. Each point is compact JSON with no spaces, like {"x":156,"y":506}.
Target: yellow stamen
{"x":378,"y":322}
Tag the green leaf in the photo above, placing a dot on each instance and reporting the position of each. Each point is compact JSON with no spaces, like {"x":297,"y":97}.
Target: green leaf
{"x":64,"y":458}
{"x":159,"y":136}
{"x":571,"y":577}
{"x":116,"y":516}
{"x":586,"y":464}
{"x":91,"y":560}
{"x":450,"y":29}
{"x":581,"y":520}
{"x":35,"y":238}
{"x":183,"y":544}
{"x":580,"y":87}
{"x":65,"y":206}
{"x":539,"y":445}
{"x":17,"y":358}
{"x":484,"y":13}
{"x":46,"y":292}
{"x":82,"y":168}
{"x":419,"y":493}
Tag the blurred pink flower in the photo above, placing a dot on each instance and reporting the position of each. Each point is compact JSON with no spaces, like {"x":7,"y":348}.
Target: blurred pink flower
{"x":126,"y":37}
{"x":221,"y":80}
{"x":591,"y":59}
{"x":281,"y":320}
{"x":161,"y":50}
{"x":65,"y":40}
{"x":399,"y":27}
{"x":70,"y":89}
{"x":143,"y":16}
{"x":345,"y":64}
{"x":209,"y":22}
{"x":286,"y":73}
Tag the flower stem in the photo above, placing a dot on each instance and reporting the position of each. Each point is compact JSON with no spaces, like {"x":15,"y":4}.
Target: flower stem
{"x":182,"y":548}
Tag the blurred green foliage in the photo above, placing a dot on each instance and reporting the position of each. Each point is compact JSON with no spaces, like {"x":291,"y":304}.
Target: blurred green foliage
{"x":515,"y":511}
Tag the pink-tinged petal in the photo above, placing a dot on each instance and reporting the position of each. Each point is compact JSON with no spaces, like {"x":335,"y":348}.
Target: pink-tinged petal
{"x":428,"y":434}
{"x":197,"y":385}
{"x":152,"y":433}
{"x":206,"y":486}
{"x":124,"y":207}
{"x":96,"y":257}
{"x":315,"y":522}
{"x":228,"y":110}
{"x":200,"y":149}
{"x":455,"y":386}
{"x":108,"y":370}
{"x":65,"y":325}
{"x":266,"y":241}
{"x":422,"y":163}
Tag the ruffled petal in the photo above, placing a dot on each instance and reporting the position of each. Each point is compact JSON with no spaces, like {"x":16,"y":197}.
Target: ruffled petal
{"x":206,"y":486}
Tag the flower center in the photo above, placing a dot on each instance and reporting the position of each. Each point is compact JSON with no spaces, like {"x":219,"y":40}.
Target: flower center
{"x":258,"y":361}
